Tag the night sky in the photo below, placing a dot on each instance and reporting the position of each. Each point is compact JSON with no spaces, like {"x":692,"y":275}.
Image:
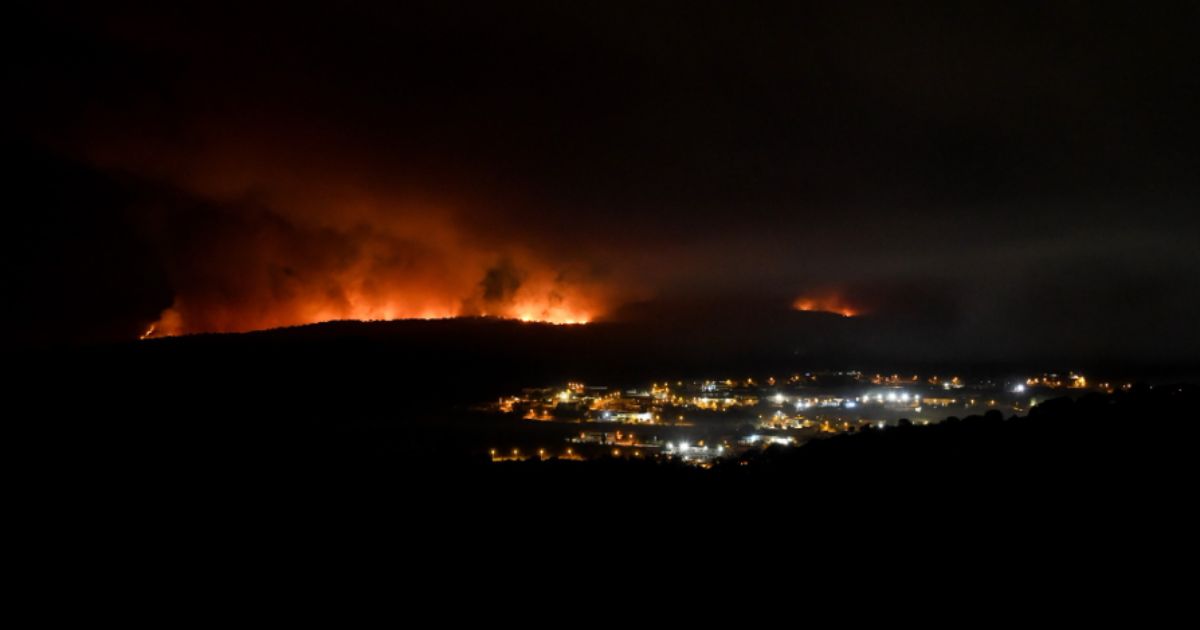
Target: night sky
{"x":997,"y":180}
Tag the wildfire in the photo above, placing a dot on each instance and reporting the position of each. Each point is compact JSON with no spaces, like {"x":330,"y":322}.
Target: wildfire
{"x":183,"y":318}
{"x":826,"y":303}
{"x":559,"y":315}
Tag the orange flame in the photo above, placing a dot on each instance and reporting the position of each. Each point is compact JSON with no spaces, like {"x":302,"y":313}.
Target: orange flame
{"x":540,"y":298}
{"x":826,"y":303}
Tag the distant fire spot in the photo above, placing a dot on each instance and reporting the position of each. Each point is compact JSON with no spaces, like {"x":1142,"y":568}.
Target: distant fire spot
{"x":826,"y":303}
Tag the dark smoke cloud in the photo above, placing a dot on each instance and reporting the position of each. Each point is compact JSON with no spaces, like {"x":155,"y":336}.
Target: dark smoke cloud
{"x":1002,"y":178}
{"x":501,"y":282}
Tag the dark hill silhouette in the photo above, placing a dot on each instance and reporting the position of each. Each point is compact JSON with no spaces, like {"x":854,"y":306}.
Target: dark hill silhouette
{"x":378,"y":414}
{"x":359,"y":403}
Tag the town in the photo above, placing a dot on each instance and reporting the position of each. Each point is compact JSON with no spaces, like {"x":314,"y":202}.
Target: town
{"x":702,"y":421}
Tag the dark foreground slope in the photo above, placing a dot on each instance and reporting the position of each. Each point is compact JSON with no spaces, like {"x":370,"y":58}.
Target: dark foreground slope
{"x":358,"y":423}
{"x":333,"y":413}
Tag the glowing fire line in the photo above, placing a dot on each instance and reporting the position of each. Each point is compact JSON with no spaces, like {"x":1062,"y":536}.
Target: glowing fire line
{"x":153,"y":332}
{"x":825,"y":304}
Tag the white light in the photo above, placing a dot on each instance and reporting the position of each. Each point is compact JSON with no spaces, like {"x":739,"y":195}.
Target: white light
{"x":779,"y":399}
{"x":683,"y":446}
{"x":904,"y":397}
{"x":850,"y":404}
{"x":891,"y":396}
{"x":1019,"y":389}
